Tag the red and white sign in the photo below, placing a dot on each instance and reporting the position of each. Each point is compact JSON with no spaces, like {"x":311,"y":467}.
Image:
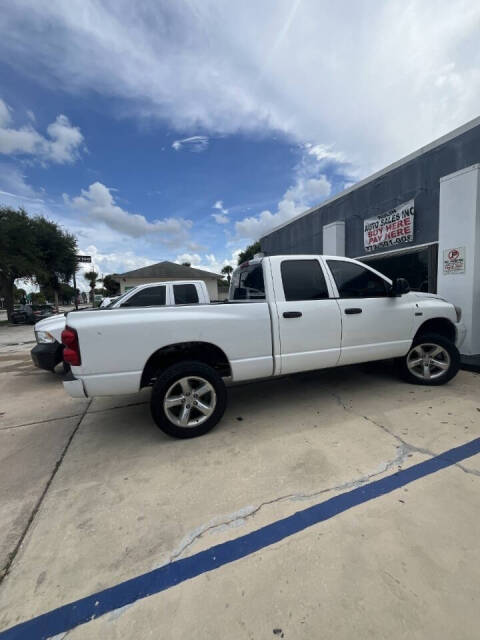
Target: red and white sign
{"x":391,"y":229}
{"x":454,"y":260}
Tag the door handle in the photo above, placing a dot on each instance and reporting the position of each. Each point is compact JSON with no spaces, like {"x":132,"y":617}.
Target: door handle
{"x":292,"y":314}
{"x":353,"y":310}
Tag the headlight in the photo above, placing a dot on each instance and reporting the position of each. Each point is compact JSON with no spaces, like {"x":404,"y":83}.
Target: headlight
{"x":458,"y":311}
{"x":44,"y":336}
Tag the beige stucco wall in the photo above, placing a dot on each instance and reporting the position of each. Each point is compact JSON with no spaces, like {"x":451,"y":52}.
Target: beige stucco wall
{"x":211,"y":284}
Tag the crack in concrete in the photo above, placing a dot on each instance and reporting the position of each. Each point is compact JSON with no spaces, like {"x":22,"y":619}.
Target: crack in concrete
{"x":411,"y":447}
{"x":74,"y":415}
{"x":32,"y":424}
{"x":4,"y":571}
{"x":239,"y":517}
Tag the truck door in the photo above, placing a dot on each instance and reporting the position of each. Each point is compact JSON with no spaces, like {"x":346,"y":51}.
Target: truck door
{"x":375,"y":325}
{"x":308,"y":316}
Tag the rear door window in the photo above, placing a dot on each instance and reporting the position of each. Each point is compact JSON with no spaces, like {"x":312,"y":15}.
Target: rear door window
{"x":185,"y":294}
{"x":303,"y":280}
{"x":150,"y":297}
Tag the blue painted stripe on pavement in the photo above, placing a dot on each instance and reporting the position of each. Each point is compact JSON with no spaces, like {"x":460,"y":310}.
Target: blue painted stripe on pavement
{"x":75,"y":613}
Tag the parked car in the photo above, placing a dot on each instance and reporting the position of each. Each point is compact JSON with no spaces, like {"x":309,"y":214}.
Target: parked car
{"x":106,"y":302}
{"x":30,"y":314}
{"x":285,"y":314}
{"x":49,"y":349}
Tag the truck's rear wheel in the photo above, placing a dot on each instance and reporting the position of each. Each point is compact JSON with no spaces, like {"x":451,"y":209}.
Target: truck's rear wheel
{"x":431,"y":360}
{"x":188,"y":399}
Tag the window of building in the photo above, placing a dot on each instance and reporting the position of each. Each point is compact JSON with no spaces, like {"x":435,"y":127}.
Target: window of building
{"x":185,"y":294}
{"x":149,"y":297}
{"x":418,"y":266}
{"x":354,"y":281}
{"x":303,"y":280}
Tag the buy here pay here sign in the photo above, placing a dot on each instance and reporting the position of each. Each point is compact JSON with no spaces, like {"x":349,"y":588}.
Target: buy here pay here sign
{"x":393,"y":228}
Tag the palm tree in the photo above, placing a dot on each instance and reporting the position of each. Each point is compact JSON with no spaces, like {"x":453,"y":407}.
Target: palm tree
{"x":91,"y":277}
{"x":227,"y":270}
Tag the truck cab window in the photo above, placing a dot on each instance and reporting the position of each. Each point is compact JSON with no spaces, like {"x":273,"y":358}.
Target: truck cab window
{"x":185,"y":294}
{"x":303,"y":280}
{"x":150,"y":297}
{"x":247,"y":283}
{"x":354,"y":281}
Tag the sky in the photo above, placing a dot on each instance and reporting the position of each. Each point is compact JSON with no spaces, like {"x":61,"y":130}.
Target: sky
{"x":184,"y":131}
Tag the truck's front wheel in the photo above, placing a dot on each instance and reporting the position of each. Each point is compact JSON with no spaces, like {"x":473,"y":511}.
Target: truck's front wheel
{"x":188,"y":399}
{"x":432,"y":360}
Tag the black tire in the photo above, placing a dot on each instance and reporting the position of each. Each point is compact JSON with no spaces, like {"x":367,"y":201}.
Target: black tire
{"x":438,"y":376}
{"x":165,"y":384}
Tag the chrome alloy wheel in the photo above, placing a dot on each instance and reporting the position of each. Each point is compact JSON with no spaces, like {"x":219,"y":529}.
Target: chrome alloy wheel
{"x":428,"y":361}
{"x":189,"y":401}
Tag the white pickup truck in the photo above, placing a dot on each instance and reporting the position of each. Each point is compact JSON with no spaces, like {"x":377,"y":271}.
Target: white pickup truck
{"x":48,"y":332}
{"x":285,"y":314}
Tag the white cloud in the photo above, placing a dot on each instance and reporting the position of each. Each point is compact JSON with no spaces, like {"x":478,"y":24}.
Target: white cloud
{"x":111,"y":262}
{"x":209,"y":261}
{"x":13,"y":184}
{"x":324,"y":152}
{"x":309,"y":190}
{"x":370,"y":84}
{"x":219,"y":205}
{"x":310,"y":187}
{"x":5,"y":117}
{"x":222,"y":216}
{"x":196,"y":144}
{"x":193,"y":258}
{"x":98,"y":203}
{"x":60,"y":147}
{"x":65,"y":141}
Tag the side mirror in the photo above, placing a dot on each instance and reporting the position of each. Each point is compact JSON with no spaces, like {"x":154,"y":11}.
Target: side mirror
{"x":399,"y":287}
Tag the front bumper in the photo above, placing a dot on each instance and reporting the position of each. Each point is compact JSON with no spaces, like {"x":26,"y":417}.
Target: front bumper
{"x":461,"y":331}
{"x":47,"y":355}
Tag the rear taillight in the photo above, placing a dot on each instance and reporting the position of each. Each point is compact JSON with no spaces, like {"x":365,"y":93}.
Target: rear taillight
{"x":71,"y":351}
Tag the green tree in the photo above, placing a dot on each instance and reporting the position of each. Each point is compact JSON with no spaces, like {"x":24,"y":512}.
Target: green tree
{"x":249,"y":252}
{"x":227,"y":271}
{"x":186,"y":264}
{"x":66,"y":293}
{"x":19,"y":253}
{"x":112,"y":286}
{"x":91,"y":278}
{"x":58,"y":250}
{"x":37,"y":298}
{"x":19,"y":294}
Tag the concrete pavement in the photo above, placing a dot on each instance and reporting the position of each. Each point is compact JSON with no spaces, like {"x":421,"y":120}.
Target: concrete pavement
{"x":104,"y":496}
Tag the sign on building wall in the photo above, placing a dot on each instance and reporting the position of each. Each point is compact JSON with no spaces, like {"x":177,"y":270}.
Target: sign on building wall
{"x":454,"y":260}
{"x":390,"y":229}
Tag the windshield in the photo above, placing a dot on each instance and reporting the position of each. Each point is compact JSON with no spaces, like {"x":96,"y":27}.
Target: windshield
{"x":114,"y":302}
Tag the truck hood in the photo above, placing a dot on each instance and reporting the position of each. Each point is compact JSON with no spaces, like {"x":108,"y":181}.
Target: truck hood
{"x":54,"y":325}
{"x":429,"y":296}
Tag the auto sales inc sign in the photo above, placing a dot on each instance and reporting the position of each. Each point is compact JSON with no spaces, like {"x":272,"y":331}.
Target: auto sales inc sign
{"x":391,"y":229}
